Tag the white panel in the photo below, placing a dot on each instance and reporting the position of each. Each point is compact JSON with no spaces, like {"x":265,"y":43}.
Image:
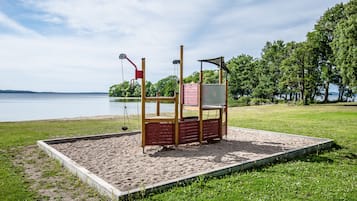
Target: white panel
{"x":213,"y":95}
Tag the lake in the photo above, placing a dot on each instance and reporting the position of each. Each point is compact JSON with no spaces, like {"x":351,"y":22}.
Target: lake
{"x":39,"y":106}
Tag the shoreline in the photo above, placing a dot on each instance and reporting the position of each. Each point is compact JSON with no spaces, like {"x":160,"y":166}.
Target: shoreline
{"x":70,"y":118}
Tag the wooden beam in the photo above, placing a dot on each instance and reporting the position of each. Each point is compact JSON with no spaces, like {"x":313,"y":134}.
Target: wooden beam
{"x":181,"y":82}
{"x":220,"y":76}
{"x":226,"y":109}
{"x":143,"y":96}
{"x":200,"y":105}
{"x":221,"y":125}
{"x":159,"y":120}
{"x":161,"y":98}
{"x":176,"y":120}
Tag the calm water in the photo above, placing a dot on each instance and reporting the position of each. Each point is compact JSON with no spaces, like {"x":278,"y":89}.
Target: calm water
{"x":37,"y":106}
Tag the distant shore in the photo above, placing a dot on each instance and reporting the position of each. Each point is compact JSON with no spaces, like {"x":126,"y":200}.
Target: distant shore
{"x":48,"y":92}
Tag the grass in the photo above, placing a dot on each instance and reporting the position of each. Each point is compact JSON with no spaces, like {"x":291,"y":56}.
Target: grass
{"x":13,"y":135}
{"x":322,"y":176}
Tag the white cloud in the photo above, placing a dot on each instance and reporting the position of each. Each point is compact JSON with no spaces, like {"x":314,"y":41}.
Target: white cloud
{"x":84,"y":57}
{"x":8,"y":23}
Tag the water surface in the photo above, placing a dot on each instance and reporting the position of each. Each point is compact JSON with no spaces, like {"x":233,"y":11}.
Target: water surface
{"x":39,"y":106}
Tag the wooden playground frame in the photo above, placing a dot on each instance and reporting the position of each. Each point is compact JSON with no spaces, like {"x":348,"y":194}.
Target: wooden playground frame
{"x":160,"y":130}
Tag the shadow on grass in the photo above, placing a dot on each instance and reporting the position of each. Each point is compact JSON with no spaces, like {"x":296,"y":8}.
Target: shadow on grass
{"x":317,"y":157}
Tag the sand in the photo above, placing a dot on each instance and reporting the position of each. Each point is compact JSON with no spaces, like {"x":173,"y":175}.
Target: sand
{"x":121,"y":162}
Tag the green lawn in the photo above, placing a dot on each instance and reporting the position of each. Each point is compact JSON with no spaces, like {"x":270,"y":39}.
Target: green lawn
{"x":321,"y":176}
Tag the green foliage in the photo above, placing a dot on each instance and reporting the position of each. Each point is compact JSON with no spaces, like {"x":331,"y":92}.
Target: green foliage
{"x":270,"y":71}
{"x":168,"y":86}
{"x":193,"y":78}
{"x":320,"y":38}
{"x":209,"y":77}
{"x":242,"y":79}
{"x":299,"y":71}
{"x":244,"y":101}
{"x":126,"y":89}
{"x":301,"y":74}
{"x":260,"y":101}
{"x":344,"y":45}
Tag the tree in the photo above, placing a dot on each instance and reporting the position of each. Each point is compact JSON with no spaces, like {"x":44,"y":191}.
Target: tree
{"x":242,"y":79}
{"x":150,"y":89}
{"x":344,"y":45}
{"x":273,"y":54}
{"x":289,"y":80}
{"x":209,"y":77}
{"x":321,"y":39}
{"x":167,"y":86}
{"x":193,"y":78}
{"x":125,"y":89}
{"x":120,"y":90}
{"x":265,"y":88}
{"x":299,"y":71}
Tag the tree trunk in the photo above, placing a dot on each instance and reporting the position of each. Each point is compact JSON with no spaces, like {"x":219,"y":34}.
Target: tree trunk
{"x":341,"y":90}
{"x":303,"y":96}
{"x":327,"y":85}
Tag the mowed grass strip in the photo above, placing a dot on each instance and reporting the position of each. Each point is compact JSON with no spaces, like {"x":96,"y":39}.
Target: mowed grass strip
{"x":321,"y":176}
{"x":330,"y":175}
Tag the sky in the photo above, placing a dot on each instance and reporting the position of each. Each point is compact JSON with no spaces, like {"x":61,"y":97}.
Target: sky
{"x":73,"y":45}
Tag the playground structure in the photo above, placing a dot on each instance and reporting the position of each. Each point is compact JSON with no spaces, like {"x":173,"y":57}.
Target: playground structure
{"x":199,"y":97}
{"x":243,"y":149}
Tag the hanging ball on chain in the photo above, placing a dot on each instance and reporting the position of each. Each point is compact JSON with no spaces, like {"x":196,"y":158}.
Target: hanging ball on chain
{"x":124,"y":128}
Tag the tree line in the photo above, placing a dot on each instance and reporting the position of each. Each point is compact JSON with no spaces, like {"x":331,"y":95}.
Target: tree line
{"x":289,"y":71}
{"x":166,"y":86}
{"x":300,"y":71}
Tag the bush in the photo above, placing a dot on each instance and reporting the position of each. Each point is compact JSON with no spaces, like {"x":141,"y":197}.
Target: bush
{"x":280,"y":101}
{"x":244,"y":101}
{"x":260,"y":101}
{"x":232,"y":102}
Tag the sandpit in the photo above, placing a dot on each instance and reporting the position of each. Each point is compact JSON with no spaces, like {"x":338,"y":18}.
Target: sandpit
{"x":120,"y":160}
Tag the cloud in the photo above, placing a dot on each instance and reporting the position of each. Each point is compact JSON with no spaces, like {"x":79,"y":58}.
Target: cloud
{"x":13,"y":26}
{"x":84,"y":55}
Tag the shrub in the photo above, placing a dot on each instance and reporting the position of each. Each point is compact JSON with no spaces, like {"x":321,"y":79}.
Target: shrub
{"x":244,"y":101}
{"x":260,"y":101}
{"x":232,"y":102}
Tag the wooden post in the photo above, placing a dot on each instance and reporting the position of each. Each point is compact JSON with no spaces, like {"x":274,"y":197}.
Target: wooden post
{"x":181,"y":82}
{"x":200,"y":105}
{"x":157,"y":104}
{"x":176,"y":120}
{"x":220,"y":109}
{"x":226,"y":98}
{"x":143,"y":101}
{"x":226,"y":109}
{"x":220,"y":76}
